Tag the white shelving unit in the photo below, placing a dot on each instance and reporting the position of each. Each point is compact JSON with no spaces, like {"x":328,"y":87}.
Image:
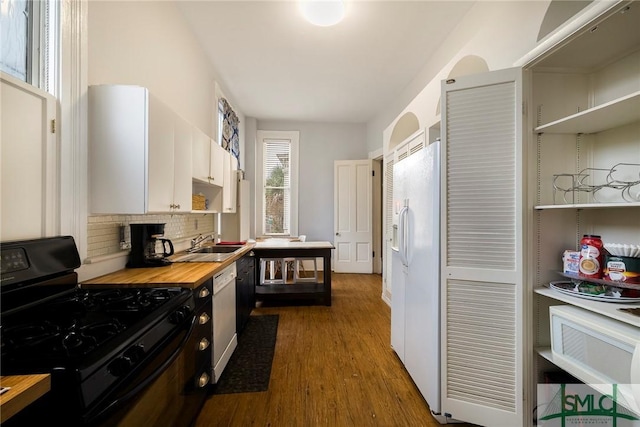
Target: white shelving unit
{"x":608,"y":309}
{"x":594,"y":72}
{"x":612,"y":114}
{"x":590,"y":206}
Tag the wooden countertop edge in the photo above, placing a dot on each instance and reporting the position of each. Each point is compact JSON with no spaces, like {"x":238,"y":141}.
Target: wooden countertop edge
{"x":25,"y":389}
{"x":184,"y":274}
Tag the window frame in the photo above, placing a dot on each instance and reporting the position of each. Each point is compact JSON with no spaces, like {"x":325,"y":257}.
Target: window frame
{"x":42,"y":48}
{"x":294,"y":138}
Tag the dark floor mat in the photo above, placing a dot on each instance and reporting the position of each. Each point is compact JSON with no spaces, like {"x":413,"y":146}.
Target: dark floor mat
{"x":249,"y":367}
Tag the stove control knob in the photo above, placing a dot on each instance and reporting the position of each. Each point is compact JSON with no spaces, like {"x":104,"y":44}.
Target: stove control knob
{"x":121,"y":366}
{"x":203,"y":380}
{"x":180,"y":314}
{"x":203,"y":318}
{"x":203,"y":345}
{"x":135,"y":354}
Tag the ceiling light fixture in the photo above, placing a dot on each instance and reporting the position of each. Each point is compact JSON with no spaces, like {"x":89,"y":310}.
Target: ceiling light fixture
{"x":323,"y":13}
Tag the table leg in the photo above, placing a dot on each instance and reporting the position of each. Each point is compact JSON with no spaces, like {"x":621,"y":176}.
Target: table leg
{"x":327,"y":278}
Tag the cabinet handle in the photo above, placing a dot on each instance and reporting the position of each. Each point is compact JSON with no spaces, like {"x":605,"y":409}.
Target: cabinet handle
{"x":211,"y":178}
{"x":203,"y":380}
{"x":177,"y":206}
{"x":203,"y":344}
{"x":203,"y":318}
{"x":204,"y":292}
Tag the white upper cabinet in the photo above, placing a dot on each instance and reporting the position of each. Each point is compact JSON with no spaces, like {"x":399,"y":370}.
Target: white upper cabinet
{"x":139,"y":153}
{"x":207,"y":159}
{"x":230,"y":189}
{"x":216,"y":164}
{"x":182,"y":148}
{"x":201,"y":154}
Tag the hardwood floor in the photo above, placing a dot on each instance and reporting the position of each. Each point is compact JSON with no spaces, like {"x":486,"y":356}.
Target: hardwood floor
{"x":333,"y":366}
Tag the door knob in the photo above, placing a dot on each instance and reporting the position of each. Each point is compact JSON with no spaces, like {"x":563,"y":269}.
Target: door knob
{"x":337,"y":234}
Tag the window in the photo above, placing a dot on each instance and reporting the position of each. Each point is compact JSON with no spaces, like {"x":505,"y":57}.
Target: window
{"x":278,"y":180}
{"x":29,"y":41}
{"x":220,"y":120}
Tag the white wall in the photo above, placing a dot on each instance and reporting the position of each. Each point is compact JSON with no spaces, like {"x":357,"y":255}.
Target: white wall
{"x":148,"y":43}
{"x":320,"y":145}
{"x":499,"y":32}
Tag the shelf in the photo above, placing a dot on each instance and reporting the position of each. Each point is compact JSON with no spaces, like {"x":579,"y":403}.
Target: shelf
{"x":608,"y":309}
{"x":601,"y":281}
{"x":200,"y":182}
{"x":612,"y":114}
{"x":193,"y":211}
{"x":590,"y":206}
{"x":546,"y":353}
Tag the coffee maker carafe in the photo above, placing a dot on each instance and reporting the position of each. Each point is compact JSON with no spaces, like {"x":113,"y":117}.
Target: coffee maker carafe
{"x":145,"y":239}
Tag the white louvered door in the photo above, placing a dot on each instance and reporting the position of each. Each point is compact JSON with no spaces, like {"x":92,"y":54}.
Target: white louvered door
{"x":482,"y":251}
{"x":388,"y":226}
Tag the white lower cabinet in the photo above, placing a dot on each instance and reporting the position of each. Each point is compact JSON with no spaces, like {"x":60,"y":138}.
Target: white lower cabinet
{"x":139,"y":153}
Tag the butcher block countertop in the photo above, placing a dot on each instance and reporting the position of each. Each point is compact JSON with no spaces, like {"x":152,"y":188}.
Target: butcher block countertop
{"x":183,"y":274}
{"x":287,"y":244}
{"x":24,"y":390}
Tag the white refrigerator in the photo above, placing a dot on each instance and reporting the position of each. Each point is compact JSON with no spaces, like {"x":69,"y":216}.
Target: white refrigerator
{"x":415,"y":270}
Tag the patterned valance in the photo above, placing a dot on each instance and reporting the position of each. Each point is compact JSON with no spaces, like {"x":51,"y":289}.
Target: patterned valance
{"x":230,"y":137}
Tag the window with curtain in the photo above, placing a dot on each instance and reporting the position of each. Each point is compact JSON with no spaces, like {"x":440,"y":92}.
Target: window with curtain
{"x":278,"y":177}
{"x":29,"y":34}
{"x":228,"y":131}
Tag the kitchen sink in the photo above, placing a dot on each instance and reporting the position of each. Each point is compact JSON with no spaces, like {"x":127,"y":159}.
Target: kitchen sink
{"x":218,"y":249}
{"x":217,"y":253}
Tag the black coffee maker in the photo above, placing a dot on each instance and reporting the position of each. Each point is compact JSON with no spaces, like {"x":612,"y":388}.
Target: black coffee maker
{"x":145,"y":238}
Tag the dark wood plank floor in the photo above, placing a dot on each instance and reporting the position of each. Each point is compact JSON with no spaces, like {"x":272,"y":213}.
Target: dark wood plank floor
{"x":333,"y":366}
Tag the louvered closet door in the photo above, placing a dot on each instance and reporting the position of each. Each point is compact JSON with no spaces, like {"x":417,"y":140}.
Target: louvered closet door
{"x":388,"y":226}
{"x":482,"y":273}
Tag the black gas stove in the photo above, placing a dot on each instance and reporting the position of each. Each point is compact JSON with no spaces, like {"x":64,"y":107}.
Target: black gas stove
{"x":93,"y":342}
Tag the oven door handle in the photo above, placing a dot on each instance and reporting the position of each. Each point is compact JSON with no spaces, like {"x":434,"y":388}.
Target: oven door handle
{"x":147,"y":381}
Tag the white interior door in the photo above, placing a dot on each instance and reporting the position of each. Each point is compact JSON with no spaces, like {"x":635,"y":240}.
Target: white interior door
{"x":352,"y":220}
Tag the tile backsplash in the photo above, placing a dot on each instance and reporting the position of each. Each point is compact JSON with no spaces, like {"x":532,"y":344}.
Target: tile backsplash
{"x":103,"y":231}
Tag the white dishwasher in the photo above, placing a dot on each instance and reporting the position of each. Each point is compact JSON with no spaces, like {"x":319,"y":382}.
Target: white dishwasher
{"x":225,"y":339}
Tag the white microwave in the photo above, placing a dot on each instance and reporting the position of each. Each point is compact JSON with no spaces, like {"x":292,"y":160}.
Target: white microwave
{"x":597,"y":350}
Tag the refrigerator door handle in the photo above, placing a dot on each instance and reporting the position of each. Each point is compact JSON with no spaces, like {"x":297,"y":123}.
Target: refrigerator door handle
{"x":402,"y":234}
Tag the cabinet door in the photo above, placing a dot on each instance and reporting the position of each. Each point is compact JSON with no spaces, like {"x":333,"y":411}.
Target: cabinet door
{"x":161,"y":125}
{"x":229,"y":189}
{"x":216,"y":168}
{"x":482,"y":250}
{"x":182,"y":165}
{"x":29,"y":183}
{"x":201,"y":155}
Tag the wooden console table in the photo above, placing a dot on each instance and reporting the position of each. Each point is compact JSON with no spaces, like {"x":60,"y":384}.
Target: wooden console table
{"x":281,"y":248}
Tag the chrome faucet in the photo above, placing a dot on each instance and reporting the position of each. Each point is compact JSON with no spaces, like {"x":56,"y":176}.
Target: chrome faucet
{"x":197,"y":241}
